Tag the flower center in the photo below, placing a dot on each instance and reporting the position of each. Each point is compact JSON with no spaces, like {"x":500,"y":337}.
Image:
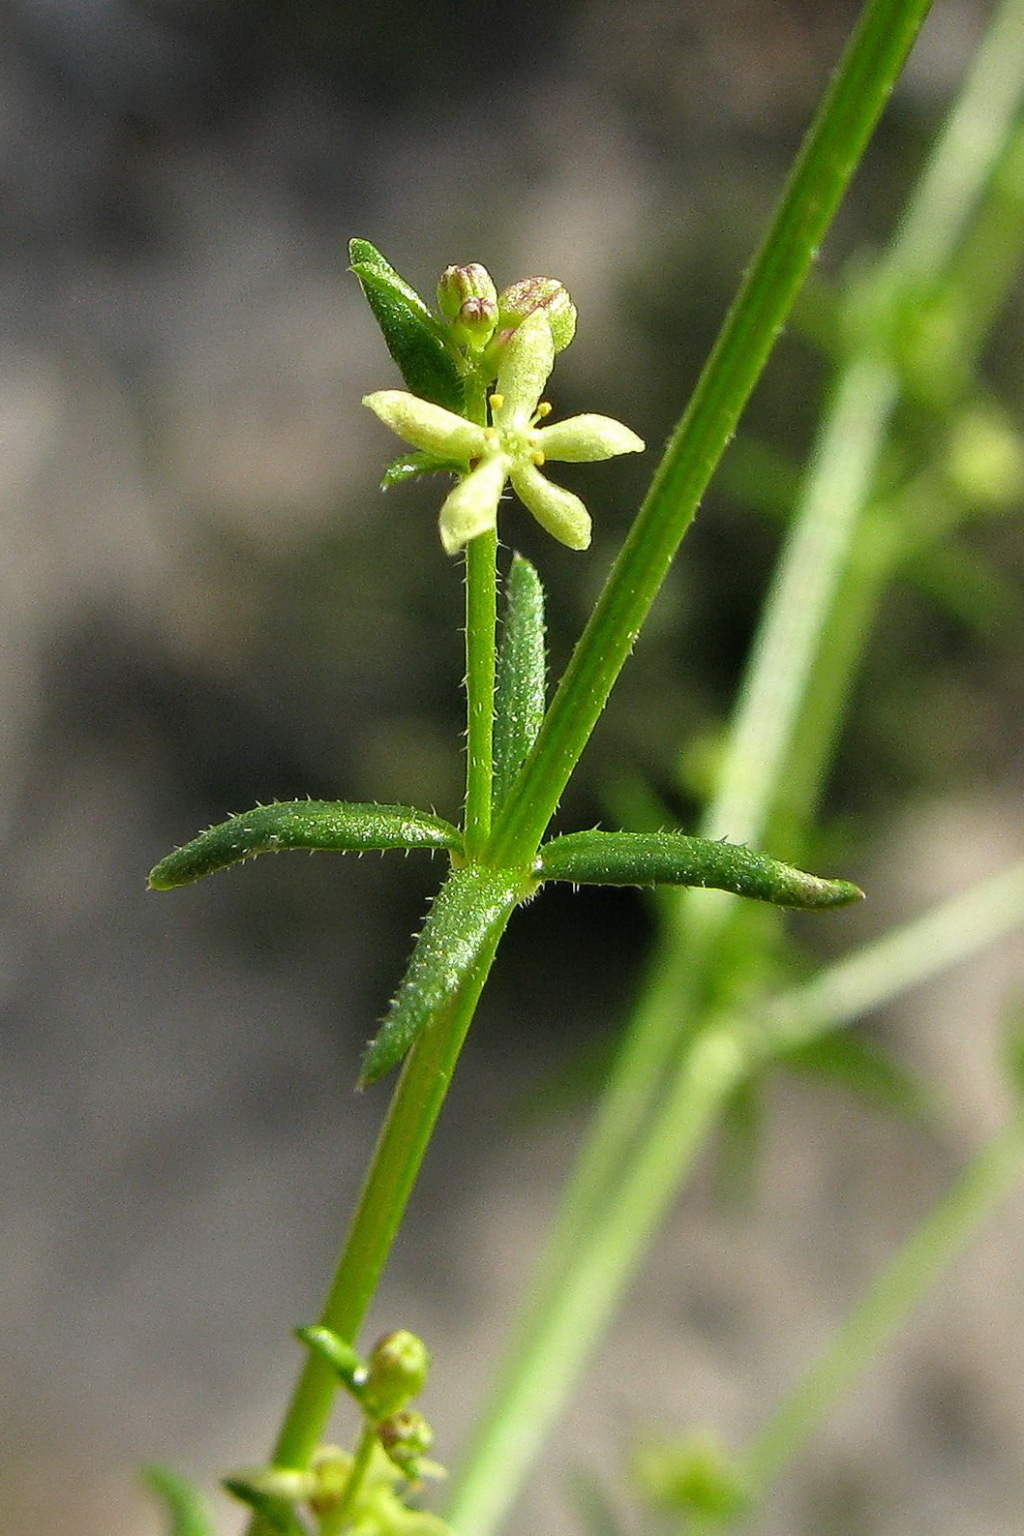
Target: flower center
{"x":517,"y":442}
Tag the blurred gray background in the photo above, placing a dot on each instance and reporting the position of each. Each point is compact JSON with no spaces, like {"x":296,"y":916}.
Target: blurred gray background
{"x":206,"y":602}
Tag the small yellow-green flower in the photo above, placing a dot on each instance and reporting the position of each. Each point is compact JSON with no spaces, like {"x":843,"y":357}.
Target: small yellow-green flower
{"x":513,"y":448}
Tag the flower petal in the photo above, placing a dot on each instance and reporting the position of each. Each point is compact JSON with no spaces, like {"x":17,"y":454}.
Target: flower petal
{"x":526,"y":363}
{"x":584,"y":439}
{"x":472,"y":507}
{"x":557,"y":510}
{"x":427,"y":426}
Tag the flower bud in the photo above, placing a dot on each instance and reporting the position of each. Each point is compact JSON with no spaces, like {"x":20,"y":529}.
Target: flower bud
{"x":406,"y":1437}
{"x":546,"y":294}
{"x":474,"y":324}
{"x":395,"y":1372}
{"x":458,"y":284}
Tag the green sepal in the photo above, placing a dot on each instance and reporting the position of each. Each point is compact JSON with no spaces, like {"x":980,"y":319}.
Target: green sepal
{"x":413,"y":464}
{"x":335,"y":826}
{"x":335,"y":1352}
{"x":520,"y":678}
{"x":471,"y":907}
{"x":185,"y":1507}
{"x":672,"y":858}
{"x":415,"y":338}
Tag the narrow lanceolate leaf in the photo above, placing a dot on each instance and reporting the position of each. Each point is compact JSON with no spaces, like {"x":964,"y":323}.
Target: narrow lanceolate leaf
{"x":186,"y":1509}
{"x":414,"y":464}
{"x":414,"y":337}
{"x":519,"y":696}
{"x":671,"y":858}
{"x":471,"y":907}
{"x":337,"y":826}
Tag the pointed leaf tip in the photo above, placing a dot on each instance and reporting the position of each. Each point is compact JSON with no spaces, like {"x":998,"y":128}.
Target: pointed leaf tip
{"x":673,"y":858}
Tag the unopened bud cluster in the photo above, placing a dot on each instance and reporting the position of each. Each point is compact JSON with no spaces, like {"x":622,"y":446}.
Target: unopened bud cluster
{"x":373,"y":1507}
{"x":393,"y":1373}
{"x":483,"y":321}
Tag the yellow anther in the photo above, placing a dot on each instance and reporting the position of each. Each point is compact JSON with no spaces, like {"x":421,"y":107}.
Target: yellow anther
{"x":537,"y":457}
{"x":544,"y":409}
{"x":496,"y":402}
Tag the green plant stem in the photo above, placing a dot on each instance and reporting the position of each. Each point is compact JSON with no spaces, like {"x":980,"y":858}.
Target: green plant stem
{"x":901,"y":1286}
{"x":822,"y":172}
{"x":403,"y":1141}
{"x":481,"y":624}
{"x":963,"y":232}
{"x":759,"y":758}
{"x":429,"y":1067}
{"x":811,"y":578}
{"x":481,"y":649}
{"x":987,"y":268}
